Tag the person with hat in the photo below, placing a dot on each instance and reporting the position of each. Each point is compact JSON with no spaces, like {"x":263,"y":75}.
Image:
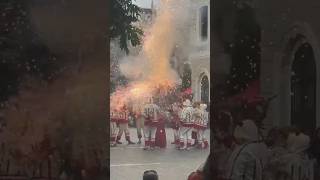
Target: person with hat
{"x":113,"y":128}
{"x":186,"y":121}
{"x":196,"y":115}
{"x":175,"y":122}
{"x":122,"y":118}
{"x":201,"y":125}
{"x":138,"y":113}
{"x":152,"y":117}
{"x":249,"y":157}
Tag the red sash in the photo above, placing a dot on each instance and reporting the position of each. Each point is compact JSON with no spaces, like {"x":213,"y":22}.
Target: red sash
{"x":199,"y":126}
{"x":151,"y":122}
{"x":186,"y":124}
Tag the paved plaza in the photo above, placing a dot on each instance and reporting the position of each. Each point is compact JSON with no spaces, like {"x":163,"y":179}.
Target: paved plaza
{"x":130,"y":161}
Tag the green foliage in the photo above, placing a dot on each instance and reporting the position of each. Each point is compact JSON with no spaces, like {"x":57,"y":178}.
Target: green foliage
{"x":123,"y":14}
{"x":22,"y":51}
{"x":186,"y":77}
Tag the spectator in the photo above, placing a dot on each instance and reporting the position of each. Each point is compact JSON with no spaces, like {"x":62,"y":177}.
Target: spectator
{"x":298,"y":162}
{"x":248,"y":159}
{"x":277,"y":142}
{"x":315,"y":146}
{"x":150,"y":175}
{"x":315,"y":151}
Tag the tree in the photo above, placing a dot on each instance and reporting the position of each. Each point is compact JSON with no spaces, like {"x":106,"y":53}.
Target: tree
{"x":123,"y":14}
{"x":245,"y":51}
{"x":22,"y":51}
{"x":186,"y":77}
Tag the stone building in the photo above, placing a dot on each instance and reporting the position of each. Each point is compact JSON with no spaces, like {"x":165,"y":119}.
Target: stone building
{"x":289,"y":59}
{"x":199,"y":57}
{"x":196,"y":57}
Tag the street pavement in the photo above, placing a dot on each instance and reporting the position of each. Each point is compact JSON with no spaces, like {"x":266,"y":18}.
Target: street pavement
{"x":128,"y":162}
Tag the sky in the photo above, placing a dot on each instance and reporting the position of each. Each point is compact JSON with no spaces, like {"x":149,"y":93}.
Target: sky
{"x":145,"y":3}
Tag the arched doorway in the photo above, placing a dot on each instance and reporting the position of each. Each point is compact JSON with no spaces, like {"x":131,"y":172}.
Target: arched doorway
{"x":303,"y":88}
{"x":204,"y":89}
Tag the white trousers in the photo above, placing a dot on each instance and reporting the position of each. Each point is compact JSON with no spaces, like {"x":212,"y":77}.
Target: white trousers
{"x":123,"y":127}
{"x":185,"y":136}
{"x":113,"y":132}
{"x":176,"y":134}
{"x":201,"y":136}
{"x":203,"y":142}
{"x":140,"y":126}
{"x":150,"y":135}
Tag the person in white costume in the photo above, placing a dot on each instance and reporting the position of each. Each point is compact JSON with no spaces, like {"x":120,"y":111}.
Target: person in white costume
{"x":201,"y":127}
{"x":151,"y":115}
{"x":175,"y":117}
{"x":138,"y":113}
{"x":186,"y":121}
{"x":113,"y":127}
{"x":122,"y":116}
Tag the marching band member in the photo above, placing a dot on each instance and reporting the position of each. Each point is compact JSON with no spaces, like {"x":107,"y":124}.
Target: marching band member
{"x":151,"y":116}
{"x":113,"y":128}
{"x":176,"y":111}
{"x":203,"y":126}
{"x":200,"y":124}
{"x":123,"y":122}
{"x":196,"y":116}
{"x":139,"y":122}
{"x":186,"y":125}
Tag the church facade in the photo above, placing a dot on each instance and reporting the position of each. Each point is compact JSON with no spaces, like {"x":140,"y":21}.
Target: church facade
{"x":199,"y":57}
{"x":289,"y":58}
{"x":196,"y":58}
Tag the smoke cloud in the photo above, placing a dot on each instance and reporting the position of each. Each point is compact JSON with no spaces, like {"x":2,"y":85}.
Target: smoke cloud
{"x":151,"y":68}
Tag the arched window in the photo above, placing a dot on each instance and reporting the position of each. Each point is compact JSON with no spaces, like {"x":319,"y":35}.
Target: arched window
{"x":204,"y":23}
{"x":204,"y":84}
{"x":303,"y":88}
{"x":245,"y":52}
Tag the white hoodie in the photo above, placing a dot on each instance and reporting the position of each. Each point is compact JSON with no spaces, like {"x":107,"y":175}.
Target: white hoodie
{"x":247,"y":161}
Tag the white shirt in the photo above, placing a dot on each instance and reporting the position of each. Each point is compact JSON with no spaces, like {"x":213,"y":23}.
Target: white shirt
{"x":186,"y":115}
{"x":151,"y":112}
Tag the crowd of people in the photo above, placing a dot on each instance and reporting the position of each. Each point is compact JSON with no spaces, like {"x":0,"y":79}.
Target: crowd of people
{"x":243,"y":148}
{"x":188,"y":121}
{"x":242,"y":151}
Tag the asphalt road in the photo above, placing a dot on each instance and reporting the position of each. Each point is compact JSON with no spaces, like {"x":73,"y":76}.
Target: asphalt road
{"x":130,"y":161}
